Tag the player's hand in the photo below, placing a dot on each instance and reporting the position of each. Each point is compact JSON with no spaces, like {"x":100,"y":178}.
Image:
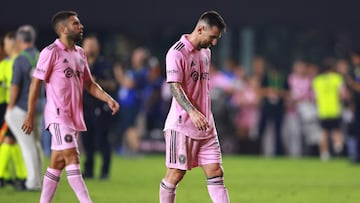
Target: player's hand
{"x":28,"y":124}
{"x":113,"y":105}
{"x":199,"y":120}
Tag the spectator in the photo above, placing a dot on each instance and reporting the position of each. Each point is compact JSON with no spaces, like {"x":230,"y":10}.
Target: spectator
{"x":274,"y":90}
{"x":152,"y":102}
{"x":18,"y":105}
{"x":97,"y":113}
{"x":247,"y":103}
{"x":353,"y":83}
{"x":10,"y":151}
{"x":328,"y":87}
{"x":301,"y":110}
{"x":132,"y":83}
{"x":221,"y":89}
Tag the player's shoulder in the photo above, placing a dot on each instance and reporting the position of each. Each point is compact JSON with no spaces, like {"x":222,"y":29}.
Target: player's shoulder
{"x":51,"y":47}
{"x":177,"y":50}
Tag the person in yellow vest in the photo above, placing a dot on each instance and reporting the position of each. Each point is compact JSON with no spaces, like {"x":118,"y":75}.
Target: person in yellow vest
{"x":9,"y":149}
{"x":329,"y":88}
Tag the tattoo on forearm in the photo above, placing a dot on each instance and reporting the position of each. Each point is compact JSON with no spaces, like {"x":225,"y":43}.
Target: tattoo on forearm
{"x":180,"y":96}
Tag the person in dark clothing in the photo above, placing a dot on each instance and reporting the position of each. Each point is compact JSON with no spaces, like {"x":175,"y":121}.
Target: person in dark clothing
{"x":274,"y":87}
{"x":352,"y":80}
{"x":96,"y":113}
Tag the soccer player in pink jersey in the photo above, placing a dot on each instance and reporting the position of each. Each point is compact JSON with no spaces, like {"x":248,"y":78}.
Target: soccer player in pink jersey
{"x":64,"y":69}
{"x":190,"y":133}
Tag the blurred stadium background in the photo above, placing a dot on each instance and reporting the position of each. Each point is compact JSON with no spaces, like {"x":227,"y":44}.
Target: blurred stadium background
{"x":278,"y":29}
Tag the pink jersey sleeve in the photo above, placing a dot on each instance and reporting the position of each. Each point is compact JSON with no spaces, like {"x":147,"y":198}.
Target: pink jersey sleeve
{"x":45,"y":64}
{"x":174,"y":69}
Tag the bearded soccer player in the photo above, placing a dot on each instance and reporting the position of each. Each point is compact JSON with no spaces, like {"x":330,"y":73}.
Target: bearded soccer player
{"x":190,"y":133}
{"x":64,"y":69}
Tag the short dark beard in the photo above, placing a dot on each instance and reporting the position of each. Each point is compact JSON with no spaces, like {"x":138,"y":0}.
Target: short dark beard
{"x":74,"y":37}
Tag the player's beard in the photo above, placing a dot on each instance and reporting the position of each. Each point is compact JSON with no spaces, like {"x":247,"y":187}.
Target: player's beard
{"x":75,"y":37}
{"x":204,"y":45}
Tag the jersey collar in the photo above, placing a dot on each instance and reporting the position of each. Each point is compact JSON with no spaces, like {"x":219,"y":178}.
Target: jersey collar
{"x":62,"y":46}
{"x":188,"y":45}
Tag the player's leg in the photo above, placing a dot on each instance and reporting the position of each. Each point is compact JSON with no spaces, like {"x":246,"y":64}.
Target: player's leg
{"x":52,"y":176}
{"x":57,"y":163}
{"x":71,"y":156}
{"x":65,"y":154}
{"x":210,"y":160}
{"x":177,"y":162}
{"x":323,"y":142}
{"x":337,"y":137}
{"x":169,"y":183}
{"x":73,"y":173}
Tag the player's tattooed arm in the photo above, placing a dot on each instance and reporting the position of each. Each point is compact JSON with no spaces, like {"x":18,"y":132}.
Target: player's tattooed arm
{"x":180,"y":96}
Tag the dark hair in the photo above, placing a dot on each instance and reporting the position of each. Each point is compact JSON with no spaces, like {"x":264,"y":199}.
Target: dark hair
{"x":213,"y":18}
{"x":61,"y":16}
{"x":10,"y":35}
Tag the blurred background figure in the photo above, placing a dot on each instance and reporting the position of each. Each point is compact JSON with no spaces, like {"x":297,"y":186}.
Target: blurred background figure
{"x":30,"y":145}
{"x":274,"y":91}
{"x":328,"y":87}
{"x":97,"y":114}
{"x":10,"y":151}
{"x":301,"y":110}
{"x":132,"y":81}
{"x":353,"y":129}
{"x":152,"y":101}
{"x":221,"y":90}
{"x":246,"y":103}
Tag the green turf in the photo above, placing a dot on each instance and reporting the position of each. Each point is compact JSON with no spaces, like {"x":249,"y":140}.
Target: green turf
{"x":248,"y":179}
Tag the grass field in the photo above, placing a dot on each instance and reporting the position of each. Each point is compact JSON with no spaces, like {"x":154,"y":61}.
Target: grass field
{"x":248,"y":179}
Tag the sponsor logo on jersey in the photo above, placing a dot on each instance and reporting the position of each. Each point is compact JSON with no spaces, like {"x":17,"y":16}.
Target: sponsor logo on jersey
{"x":69,"y":72}
{"x":195,"y":75}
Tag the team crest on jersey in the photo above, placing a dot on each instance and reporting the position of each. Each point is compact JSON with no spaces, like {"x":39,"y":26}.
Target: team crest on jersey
{"x":195,"y":75}
{"x":68,"y":72}
{"x":81,"y":62}
{"x":65,"y":61}
{"x":68,"y":138}
{"x":182,"y":159}
{"x":192,"y":63}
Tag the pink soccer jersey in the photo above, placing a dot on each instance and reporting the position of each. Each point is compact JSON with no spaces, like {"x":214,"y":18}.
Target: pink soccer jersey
{"x":190,"y":67}
{"x":64,"y":72}
{"x":300,"y":87}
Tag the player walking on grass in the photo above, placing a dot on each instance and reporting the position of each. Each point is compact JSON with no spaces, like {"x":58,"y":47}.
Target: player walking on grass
{"x":64,"y":69}
{"x":190,"y":133}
